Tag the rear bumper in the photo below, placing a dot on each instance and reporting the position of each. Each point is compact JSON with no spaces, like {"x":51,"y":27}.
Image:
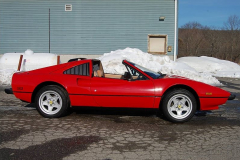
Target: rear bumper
{"x":232,"y":97}
{"x":24,"y":96}
{"x":8,"y":91}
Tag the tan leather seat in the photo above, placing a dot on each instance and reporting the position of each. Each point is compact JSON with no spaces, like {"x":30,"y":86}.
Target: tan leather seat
{"x":100,"y":73}
{"x":95,"y":74}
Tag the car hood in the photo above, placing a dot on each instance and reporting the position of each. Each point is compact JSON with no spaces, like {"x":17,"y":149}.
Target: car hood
{"x":175,"y":76}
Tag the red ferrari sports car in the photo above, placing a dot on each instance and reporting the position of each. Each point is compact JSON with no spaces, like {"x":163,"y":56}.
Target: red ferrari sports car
{"x":82,"y":82}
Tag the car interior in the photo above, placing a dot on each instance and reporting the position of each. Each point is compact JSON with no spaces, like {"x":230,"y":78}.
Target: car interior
{"x":98,"y":69}
{"x":99,"y":72}
{"x":130,"y":73}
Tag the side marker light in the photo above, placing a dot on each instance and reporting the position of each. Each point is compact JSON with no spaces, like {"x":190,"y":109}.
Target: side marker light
{"x":208,"y":94}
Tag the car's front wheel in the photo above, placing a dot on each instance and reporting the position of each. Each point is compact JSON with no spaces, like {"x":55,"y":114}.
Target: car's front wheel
{"x":179,"y":105}
{"x":52,"y":101}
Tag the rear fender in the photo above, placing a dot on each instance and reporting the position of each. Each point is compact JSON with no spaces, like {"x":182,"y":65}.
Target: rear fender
{"x":41,"y":86}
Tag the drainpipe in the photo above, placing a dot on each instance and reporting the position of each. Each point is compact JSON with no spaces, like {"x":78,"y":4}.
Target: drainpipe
{"x":49,"y":31}
{"x":176,"y":30}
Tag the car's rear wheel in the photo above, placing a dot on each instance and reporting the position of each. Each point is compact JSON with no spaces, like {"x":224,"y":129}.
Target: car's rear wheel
{"x":179,"y":105}
{"x":52,"y":101}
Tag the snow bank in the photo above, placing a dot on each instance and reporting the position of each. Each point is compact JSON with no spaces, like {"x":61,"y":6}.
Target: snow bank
{"x":6,"y":77}
{"x":9,"y":63}
{"x":213,"y":66}
{"x":111,"y":63}
{"x":197,"y":68}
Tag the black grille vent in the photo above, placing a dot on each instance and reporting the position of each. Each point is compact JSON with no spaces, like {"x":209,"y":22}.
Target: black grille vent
{"x":82,"y":70}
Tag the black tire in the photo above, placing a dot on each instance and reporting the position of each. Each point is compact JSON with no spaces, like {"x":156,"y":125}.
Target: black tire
{"x":179,"y":105}
{"x":52,"y":101}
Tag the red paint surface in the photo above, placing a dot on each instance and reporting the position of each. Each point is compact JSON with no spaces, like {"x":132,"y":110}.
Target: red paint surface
{"x":109,"y":92}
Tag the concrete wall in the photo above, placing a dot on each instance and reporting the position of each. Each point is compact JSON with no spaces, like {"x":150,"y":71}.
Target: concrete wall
{"x":65,"y":58}
{"x":92,"y":27}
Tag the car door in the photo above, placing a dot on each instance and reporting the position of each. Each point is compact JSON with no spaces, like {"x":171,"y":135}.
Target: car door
{"x":110,"y":92}
{"x":78,"y":82}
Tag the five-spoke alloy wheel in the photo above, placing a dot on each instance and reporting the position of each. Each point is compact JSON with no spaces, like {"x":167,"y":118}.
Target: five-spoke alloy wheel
{"x":52,"y":101}
{"x":179,"y":105}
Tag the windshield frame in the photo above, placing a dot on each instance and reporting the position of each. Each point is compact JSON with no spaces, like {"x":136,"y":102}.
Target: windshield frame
{"x":146,"y":71}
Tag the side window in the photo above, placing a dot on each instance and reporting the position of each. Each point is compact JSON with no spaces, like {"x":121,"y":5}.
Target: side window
{"x":82,"y":70}
{"x":135,"y":74}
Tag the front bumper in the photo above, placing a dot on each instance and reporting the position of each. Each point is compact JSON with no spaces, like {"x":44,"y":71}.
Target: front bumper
{"x":8,"y":91}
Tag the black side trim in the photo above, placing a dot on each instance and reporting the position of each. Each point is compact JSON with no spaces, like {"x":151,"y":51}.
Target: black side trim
{"x":8,"y":91}
{"x":212,"y":97}
{"x":21,"y":92}
{"x":112,"y":95}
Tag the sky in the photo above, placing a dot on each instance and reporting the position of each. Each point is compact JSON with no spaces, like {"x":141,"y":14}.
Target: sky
{"x":211,"y":13}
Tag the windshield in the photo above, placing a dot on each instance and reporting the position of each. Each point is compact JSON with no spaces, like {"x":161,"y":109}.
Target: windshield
{"x":149,"y":72}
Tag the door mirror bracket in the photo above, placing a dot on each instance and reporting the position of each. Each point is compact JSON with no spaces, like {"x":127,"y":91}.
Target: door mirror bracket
{"x":127,"y":76}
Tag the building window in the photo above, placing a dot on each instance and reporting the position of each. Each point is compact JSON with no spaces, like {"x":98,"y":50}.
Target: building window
{"x":157,"y":44}
{"x":82,"y":70}
{"x":68,"y":7}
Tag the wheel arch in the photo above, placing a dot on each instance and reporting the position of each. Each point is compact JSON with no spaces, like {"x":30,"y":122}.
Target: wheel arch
{"x":181,"y":86}
{"x":43,"y":84}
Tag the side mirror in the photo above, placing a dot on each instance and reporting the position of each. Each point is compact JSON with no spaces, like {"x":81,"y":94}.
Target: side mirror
{"x":127,"y":76}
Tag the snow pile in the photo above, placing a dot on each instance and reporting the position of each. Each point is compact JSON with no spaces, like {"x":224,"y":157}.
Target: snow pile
{"x":196,"y":68}
{"x":111,"y":63}
{"x":213,"y":66}
{"x":29,"y":52}
{"x":6,"y":77}
{"x":9,"y":63}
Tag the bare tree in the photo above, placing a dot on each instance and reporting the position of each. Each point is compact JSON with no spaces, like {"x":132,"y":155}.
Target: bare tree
{"x":233,"y":23}
{"x":192,"y":38}
{"x":197,"y":40}
{"x":233,"y":27}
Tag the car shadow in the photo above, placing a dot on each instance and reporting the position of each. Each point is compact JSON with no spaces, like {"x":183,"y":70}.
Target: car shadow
{"x":105,"y":111}
{"x":116,"y":111}
{"x":145,"y":112}
{"x":30,"y":105}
